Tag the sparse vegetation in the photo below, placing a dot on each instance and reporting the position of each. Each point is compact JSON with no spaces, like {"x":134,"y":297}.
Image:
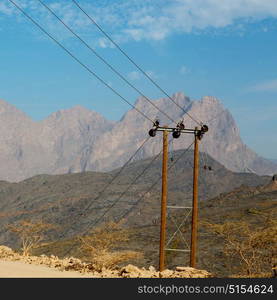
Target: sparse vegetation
{"x":249,"y":250}
{"x":61,"y":200}
{"x":31,"y":234}
{"x":101,"y":246}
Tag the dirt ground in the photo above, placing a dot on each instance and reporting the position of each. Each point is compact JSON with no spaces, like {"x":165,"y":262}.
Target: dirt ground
{"x":17,"y":269}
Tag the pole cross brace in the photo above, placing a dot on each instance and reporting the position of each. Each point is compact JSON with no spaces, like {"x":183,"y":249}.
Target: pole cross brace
{"x":183,"y":250}
{"x":184,"y":207}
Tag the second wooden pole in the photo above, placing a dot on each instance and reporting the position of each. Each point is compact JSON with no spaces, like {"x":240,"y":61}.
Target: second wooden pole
{"x":194,"y":220}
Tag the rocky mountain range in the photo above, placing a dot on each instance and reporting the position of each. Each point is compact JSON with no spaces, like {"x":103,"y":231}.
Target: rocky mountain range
{"x":72,"y":201}
{"x":78,"y":139}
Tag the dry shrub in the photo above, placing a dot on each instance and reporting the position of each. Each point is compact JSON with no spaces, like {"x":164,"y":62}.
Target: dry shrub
{"x":101,"y":243}
{"x":251,"y":248}
{"x":31,"y":234}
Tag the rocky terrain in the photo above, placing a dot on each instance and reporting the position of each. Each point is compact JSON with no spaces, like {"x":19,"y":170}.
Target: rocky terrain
{"x":250,"y":204}
{"x":56,"y":199}
{"x":77,"y":139}
{"x":75,"y":201}
{"x":74,"y":264}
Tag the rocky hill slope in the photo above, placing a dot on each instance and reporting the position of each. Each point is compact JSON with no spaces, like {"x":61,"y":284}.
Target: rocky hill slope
{"x":77,"y":139}
{"x":250,"y":204}
{"x":73,"y":201}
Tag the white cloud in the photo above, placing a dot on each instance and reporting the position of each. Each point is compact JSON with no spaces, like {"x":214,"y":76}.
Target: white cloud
{"x":105,"y":43}
{"x":5,"y":9}
{"x":152,"y":74}
{"x":150,"y":19}
{"x":265,"y":86}
{"x":185,"y":16}
{"x":134,"y":75}
{"x":184,"y":70}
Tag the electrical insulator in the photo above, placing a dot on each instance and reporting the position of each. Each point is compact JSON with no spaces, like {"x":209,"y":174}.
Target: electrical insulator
{"x":176,"y":134}
{"x":199,"y":134}
{"x":156,"y":123}
{"x":204,"y":128}
{"x":152,"y":132}
{"x":181,"y":125}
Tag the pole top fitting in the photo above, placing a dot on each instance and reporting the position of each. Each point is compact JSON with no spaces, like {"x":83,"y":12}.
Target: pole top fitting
{"x":204,"y":128}
{"x":200,"y":133}
{"x":153,"y":131}
{"x":156,"y":123}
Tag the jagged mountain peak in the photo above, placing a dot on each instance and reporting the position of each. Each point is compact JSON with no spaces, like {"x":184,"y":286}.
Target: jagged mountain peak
{"x":78,"y":139}
{"x":77,"y":110}
{"x":7,"y":108}
{"x":79,"y":117}
{"x":210,"y":100}
{"x":178,"y":97}
{"x":173,"y":107}
{"x":222,"y":141}
{"x":6,"y":105}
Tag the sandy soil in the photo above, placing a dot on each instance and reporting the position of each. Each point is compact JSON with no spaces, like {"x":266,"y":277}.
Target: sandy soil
{"x":15,"y":269}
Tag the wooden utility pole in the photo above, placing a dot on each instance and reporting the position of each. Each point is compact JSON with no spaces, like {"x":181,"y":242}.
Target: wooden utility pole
{"x":194,"y":220}
{"x":164,"y":201}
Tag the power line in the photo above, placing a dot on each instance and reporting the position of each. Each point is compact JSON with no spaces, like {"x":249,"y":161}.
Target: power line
{"x":142,"y":173}
{"x":87,"y":68}
{"x":216,"y":116}
{"x":127,"y":189}
{"x":90,"y":224}
{"x":77,"y":60}
{"x":112,"y":180}
{"x":104,"y":60}
{"x":142,"y":197}
{"x":95,"y":75}
{"x":159,"y":178}
{"x":133,"y":62}
{"x":136,"y":179}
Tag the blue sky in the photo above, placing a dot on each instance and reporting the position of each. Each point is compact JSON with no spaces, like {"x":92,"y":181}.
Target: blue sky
{"x":222,"y":48}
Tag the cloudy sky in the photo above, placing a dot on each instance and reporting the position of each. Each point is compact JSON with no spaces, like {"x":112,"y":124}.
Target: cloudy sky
{"x":222,"y":48}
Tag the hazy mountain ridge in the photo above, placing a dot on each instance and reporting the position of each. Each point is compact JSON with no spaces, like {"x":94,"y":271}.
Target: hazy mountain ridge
{"x":56,"y":145}
{"x":78,"y":139}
